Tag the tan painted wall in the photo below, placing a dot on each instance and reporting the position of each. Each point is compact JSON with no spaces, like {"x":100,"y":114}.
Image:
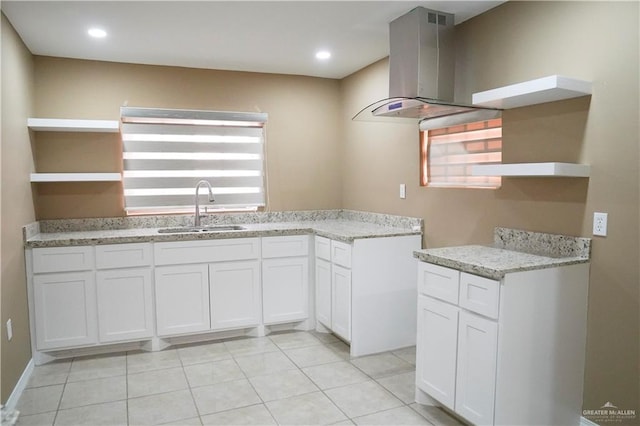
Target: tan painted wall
{"x":16,"y":203}
{"x":516,"y":42}
{"x":303,"y":135}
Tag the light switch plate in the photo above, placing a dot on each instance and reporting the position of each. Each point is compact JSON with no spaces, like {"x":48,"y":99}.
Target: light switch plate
{"x":9,"y":330}
{"x":403,"y":191}
{"x":600,"y":224}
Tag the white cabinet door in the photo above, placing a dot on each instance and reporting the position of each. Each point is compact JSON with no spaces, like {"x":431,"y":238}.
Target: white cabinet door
{"x":65,"y":310}
{"x":323,"y":292}
{"x":476,"y":379}
{"x":341,"y":301}
{"x":436,"y":350}
{"x":285,"y":289}
{"x":125,"y":304}
{"x":235,"y":294}
{"x":182,"y":299}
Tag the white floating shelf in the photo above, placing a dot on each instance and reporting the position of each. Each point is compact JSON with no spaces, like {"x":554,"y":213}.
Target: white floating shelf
{"x":68,"y":125}
{"x":532,"y":170}
{"x":76,"y":177}
{"x":539,"y":91}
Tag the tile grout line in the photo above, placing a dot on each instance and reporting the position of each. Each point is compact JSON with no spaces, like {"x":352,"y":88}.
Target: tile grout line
{"x":64,"y":387}
{"x":256,"y":391}
{"x":348,"y":360}
{"x":126,"y":382}
{"x":375,"y":380}
{"x":324,"y":393}
{"x":312,"y":381}
{"x":181,"y":366}
{"x":262,"y":402}
{"x":387,"y":390}
{"x":233,"y":358}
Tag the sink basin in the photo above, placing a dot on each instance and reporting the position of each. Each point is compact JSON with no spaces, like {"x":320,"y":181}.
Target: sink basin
{"x":191,"y":229}
{"x":221,"y":228}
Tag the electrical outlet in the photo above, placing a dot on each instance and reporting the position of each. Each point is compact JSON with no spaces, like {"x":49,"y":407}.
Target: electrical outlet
{"x":600,"y":224}
{"x":9,"y":330}
{"x":403,"y":191}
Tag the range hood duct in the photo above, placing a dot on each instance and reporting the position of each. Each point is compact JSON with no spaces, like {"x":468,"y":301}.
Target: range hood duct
{"x":421,"y":70}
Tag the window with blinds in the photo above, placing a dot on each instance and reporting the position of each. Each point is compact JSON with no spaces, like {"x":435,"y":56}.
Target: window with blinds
{"x":167,"y":152}
{"x":448,"y":154}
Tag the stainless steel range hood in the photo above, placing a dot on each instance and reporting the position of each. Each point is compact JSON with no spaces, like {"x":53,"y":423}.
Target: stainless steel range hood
{"x":421,"y":70}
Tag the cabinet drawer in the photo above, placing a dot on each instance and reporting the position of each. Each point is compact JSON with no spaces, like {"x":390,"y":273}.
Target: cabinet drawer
{"x":341,"y":254}
{"x":323,"y":248}
{"x":61,"y":259}
{"x":115,"y":256}
{"x":294,"y":245}
{"x":480,"y":295}
{"x":438,"y":281}
{"x":182,"y":252}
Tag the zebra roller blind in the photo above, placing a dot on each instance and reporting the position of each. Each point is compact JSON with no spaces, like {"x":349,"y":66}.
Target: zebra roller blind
{"x":166,"y":152}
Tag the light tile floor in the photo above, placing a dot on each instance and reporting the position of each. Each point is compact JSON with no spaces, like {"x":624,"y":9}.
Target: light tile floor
{"x":292,"y":378}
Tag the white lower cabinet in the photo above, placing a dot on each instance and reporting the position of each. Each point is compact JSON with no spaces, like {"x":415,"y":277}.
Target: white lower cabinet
{"x":456,"y":349}
{"x":125,"y":304}
{"x":182,"y":299}
{"x":82,"y":296}
{"x":108,"y":300}
{"x":503,"y":352}
{"x":457,"y":358}
{"x":207,"y":285}
{"x":333,"y":286}
{"x":65,"y":310}
{"x":285,"y":289}
{"x":366,"y":291}
{"x":124,"y":292}
{"x":285,"y":279}
{"x":341,"y":301}
{"x":234,"y":293}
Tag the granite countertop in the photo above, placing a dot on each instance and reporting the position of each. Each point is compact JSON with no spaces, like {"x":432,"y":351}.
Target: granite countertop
{"x":344,"y":227}
{"x":513,"y":251}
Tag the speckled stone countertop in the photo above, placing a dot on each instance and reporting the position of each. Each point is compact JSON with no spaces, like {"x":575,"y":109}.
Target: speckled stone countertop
{"x":341,"y":225}
{"x":513,"y":251}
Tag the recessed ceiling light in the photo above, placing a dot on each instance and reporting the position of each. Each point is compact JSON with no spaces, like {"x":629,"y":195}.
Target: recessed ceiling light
{"x":323,"y":55}
{"x":97,"y":32}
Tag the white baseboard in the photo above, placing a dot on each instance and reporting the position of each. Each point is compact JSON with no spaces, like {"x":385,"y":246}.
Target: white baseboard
{"x":587,"y":422}
{"x":20,"y":386}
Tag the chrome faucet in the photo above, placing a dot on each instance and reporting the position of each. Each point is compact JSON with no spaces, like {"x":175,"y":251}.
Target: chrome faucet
{"x":211,"y":199}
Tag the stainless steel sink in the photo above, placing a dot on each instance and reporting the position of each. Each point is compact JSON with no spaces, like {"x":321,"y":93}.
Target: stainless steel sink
{"x":221,"y":228}
{"x":191,"y":229}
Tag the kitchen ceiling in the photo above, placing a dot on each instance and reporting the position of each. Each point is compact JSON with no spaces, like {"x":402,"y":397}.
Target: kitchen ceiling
{"x":259,"y":36}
